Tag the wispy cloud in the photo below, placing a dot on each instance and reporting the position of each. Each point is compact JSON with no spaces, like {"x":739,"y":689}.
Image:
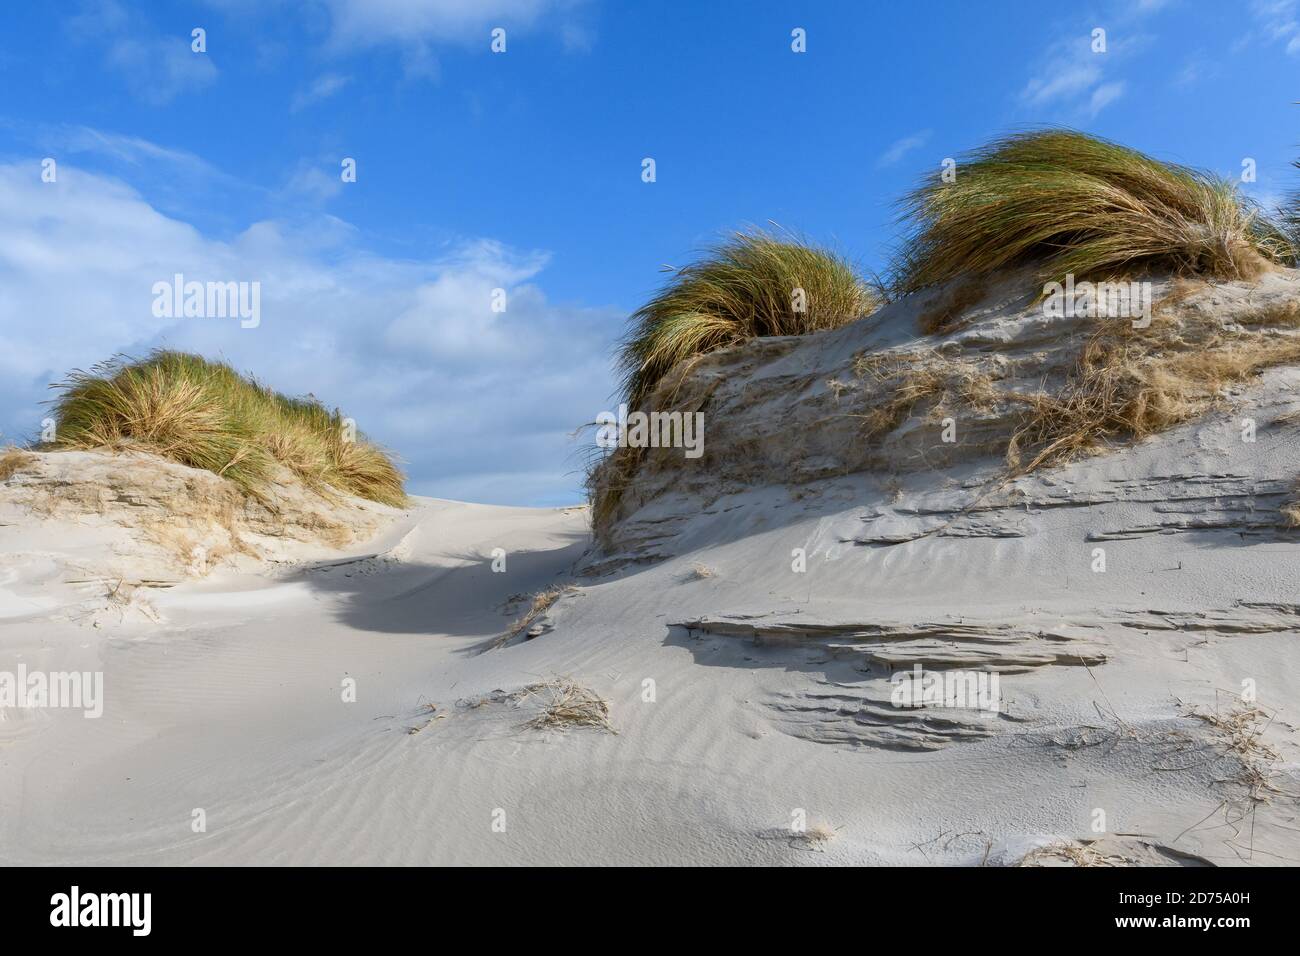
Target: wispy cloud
{"x":311,"y":182}
{"x":1194,"y":71}
{"x":1274,"y":21}
{"x":321,"y":88}
{"x":176,"y":181}
{"x":1068,"y":80}
{"x":1073,"y":80}
{"x":900,"y":148}
{"x":1276,"y":18}
{"x":418,"y":27}
{"x":371,"y":22}
{"x":156,"y":67}
{"x":1104,"y":95}
{"x":1077,"y":76}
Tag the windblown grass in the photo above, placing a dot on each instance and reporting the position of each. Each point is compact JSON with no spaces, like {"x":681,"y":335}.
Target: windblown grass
{"x":1291,"y":216}
{"x":743,"y":288}
{"x":608,"y":480}
{"x":1068,"y":202}
{"x":1053,"y":201}
{"x":206,"y":415}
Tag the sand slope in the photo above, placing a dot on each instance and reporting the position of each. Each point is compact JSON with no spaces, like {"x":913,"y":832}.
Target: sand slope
{"x":771,"y":686}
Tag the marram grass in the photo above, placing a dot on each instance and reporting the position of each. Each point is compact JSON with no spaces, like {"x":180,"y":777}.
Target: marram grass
{"x":1067,"y":202}
{"x":206,"y":415}
{"x":1291,"y":215}
{"x":753,"y":284}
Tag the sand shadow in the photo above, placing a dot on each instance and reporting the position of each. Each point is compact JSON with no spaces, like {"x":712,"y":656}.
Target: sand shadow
{"x":464,"y":597}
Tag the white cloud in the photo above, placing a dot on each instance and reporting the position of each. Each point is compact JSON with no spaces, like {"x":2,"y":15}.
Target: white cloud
{"x":411,"y":348}
{"x":902,"y":147}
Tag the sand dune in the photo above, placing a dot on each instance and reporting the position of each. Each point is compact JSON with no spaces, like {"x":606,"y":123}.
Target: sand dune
{"x":745,"y":695}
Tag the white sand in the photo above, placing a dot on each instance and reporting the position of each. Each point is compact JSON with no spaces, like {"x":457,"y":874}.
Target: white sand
{"x":224,"y":692}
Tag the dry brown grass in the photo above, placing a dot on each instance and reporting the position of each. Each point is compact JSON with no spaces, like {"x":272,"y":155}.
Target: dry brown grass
{"x":1239,"y":731}
{"x":1127,"y":383}
{"x":905,"y":379}
{"x":568,"y":704}
{"x":816,"y":836}
{"x":1277,"y":314}
{"x":947,"y":312}
{"x":541,"y":603}
{"x":1291,"y":510}
{"x":607,"y":482}
{"x":200,"y":542}
{"x":1072,"y":852}
{"x":13,"y":460}
{"x":1131,"y":383}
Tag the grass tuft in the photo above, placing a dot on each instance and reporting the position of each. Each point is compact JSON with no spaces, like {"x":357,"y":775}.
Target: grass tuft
{"x":742,"y":289}
{"x":1068,"y":202}
{"x":568,"y":704}
{"x":206,"y":415}
{"x":13,"y":460}
{"x":1291,"y":215}
{"x":540,"y":604}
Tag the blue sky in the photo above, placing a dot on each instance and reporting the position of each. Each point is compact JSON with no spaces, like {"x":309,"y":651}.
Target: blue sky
{"x":522,"y":171}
